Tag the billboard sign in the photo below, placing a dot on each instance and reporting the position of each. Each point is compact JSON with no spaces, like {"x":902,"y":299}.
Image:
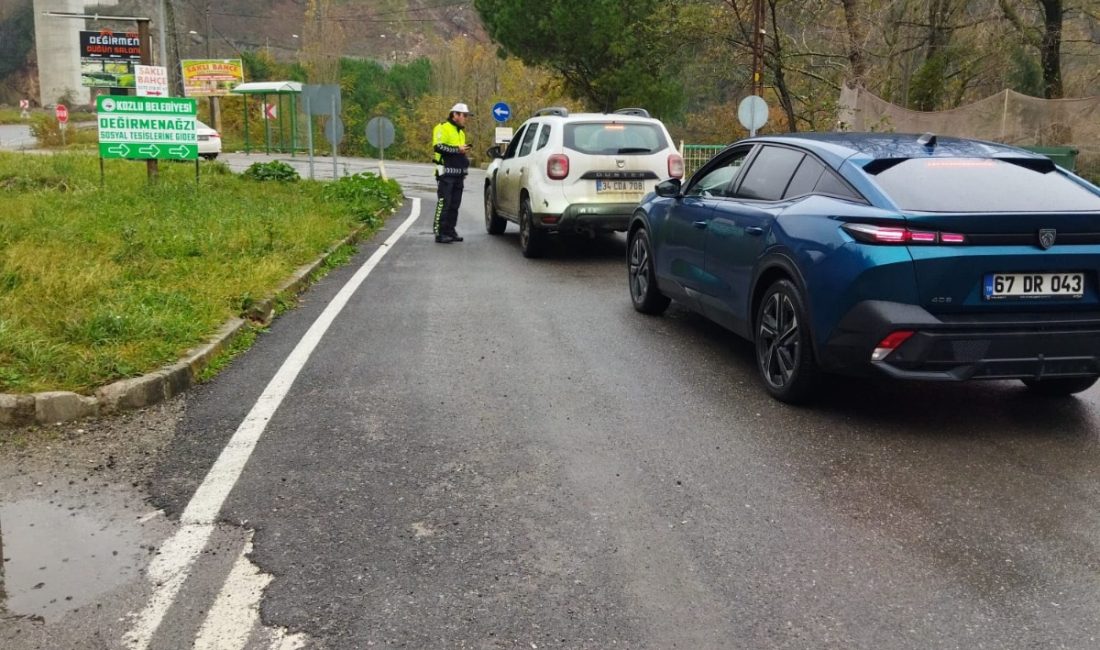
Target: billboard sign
{"x":152,"y":80}
{"x":211,"y":77}
{"x":161,"y":128}
{"x":107,"y":58}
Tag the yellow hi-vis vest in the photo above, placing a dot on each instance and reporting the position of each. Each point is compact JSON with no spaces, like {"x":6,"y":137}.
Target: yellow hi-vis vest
{"x":447,"y":143}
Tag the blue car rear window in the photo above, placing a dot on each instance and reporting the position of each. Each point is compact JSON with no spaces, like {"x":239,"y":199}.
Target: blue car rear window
{"x":981,"y":185}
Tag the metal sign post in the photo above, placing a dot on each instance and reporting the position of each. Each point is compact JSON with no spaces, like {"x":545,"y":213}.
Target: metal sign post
{"x":62,"y":113}
{"x":323,"y":100}
{"x":335,"y":139}
{"x":309,"y":136}
{"x":267,"y":125}
{"x":380,"y":133}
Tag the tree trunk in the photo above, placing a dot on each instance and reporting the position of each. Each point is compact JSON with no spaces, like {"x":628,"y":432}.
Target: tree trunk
{"x":930,"y":82}
{"x":775,"y":62}
{"x":175,"y":75}
{"x":857,"y":36}
{"x":1050,"y":49}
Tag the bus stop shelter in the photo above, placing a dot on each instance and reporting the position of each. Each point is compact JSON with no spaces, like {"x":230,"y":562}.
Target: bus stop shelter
{"x":285,"y":92}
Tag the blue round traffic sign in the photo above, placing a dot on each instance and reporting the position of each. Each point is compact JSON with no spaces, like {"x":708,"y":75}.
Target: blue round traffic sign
{"x":501,"y":112}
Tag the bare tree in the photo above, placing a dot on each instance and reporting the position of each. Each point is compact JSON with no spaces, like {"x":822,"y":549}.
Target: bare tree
{"x":857,"y":38}
{"x":324,"y":42}
{"x":1047,"y":37}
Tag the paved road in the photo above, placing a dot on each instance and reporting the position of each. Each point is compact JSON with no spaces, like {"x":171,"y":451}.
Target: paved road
{"x":14,"y":137}
{"x":488,"y":452}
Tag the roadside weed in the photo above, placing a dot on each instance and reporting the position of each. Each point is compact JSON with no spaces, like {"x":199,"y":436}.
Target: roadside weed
{"x":99,"y":284}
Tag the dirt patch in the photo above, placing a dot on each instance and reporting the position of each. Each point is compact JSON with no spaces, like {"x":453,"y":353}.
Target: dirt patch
{"x":123,"y":448}
{"x":74,"y":509}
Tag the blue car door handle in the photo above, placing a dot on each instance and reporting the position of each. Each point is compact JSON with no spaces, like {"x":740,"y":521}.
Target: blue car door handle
{"x":700,"y":224}
{"x":754,"y":230}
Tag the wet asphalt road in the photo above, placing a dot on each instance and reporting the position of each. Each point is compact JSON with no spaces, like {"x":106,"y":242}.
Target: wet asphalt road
{"x":487,"y":451}
{"x":14,"y":137}
{"x":492,"y":452}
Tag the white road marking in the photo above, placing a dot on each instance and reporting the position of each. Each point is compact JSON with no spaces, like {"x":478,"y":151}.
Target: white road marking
{"x":171,"y":568}
{"x":168,"y":571}
{"x":236,"y":610}
{"x":284,"y":642}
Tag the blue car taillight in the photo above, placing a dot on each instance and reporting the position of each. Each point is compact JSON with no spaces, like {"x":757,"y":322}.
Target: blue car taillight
{"x":892,"y":342}
{"x":874,"y":234}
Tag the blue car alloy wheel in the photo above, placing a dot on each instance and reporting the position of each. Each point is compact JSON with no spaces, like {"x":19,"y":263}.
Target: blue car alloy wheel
{"x":905,"y":256}
{"x":783,"y":352}
{"x":643,"y":282}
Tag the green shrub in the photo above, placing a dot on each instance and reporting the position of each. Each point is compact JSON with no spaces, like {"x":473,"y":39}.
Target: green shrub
{"x":46,"y":129}
{"x":1088,"y":167}
{"x":366,"y":194}
{"x":216,"y":169}
{"x":271,"y":171}
{"x":11,"y":116}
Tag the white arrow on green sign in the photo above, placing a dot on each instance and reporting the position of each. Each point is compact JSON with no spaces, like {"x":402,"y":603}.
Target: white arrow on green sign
{"x":161,"y":128}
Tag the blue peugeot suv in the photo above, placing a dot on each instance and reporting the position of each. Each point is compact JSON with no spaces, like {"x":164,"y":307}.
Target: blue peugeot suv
{"x":915,"y":257}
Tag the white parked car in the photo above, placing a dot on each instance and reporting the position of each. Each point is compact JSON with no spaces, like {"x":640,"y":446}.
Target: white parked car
{"x":210,"y":141}
{"x":579,"y":173}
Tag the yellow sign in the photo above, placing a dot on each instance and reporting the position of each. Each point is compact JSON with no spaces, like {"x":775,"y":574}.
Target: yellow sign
{"x":211,"y":77}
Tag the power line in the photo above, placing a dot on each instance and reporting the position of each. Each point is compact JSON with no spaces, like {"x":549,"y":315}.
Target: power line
{"x":369,"y":18}
{"x":340,"y":20}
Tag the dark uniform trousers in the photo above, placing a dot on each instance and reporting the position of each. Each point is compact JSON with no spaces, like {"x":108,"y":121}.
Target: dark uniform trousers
{"x":446,"y":209}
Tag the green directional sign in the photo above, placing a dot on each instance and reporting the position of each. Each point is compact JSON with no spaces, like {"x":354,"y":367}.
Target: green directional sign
{"x":147,"y":128}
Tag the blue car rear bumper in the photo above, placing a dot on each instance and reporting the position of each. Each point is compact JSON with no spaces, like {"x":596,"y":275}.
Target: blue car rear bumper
{"x":958,"y":348}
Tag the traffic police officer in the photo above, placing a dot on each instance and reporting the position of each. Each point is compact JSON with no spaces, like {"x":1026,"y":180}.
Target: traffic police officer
{"x":451,"y":164}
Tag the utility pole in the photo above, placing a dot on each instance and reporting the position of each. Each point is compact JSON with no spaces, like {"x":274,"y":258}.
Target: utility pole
{"x":162,"y":19}
{"x":758,"y":32}
{"x":175,"y":80}
{"x":151,"y":166}
{"x":215,"y":105}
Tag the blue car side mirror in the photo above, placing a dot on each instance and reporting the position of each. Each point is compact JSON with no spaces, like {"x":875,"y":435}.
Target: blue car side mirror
{"x":669,"y":189}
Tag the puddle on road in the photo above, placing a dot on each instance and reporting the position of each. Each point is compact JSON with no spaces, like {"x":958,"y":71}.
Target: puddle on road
{"x":63,"y":546}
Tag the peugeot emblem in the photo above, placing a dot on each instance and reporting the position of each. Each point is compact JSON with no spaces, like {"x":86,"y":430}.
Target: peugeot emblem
{"x":620,"y":163}
{"x":1047,"y":236}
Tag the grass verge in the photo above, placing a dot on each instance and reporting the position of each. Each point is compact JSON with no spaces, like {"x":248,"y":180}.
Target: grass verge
{"x":11,"y":116}
{"x":243,"y":341}
{"x":98,"y":284}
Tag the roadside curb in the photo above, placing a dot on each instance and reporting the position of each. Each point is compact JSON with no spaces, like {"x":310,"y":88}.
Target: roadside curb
{"x":21,"y":410}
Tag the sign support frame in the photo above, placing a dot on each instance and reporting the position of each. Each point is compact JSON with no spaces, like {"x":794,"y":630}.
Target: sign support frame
{"x":146,"y":38}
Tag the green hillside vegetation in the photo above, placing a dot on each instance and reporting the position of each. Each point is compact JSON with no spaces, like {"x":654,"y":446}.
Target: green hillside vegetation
{"x":688,"y":61}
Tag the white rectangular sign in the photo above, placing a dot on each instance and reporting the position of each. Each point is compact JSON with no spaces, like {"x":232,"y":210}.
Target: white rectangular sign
{"x":151,"y":80}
